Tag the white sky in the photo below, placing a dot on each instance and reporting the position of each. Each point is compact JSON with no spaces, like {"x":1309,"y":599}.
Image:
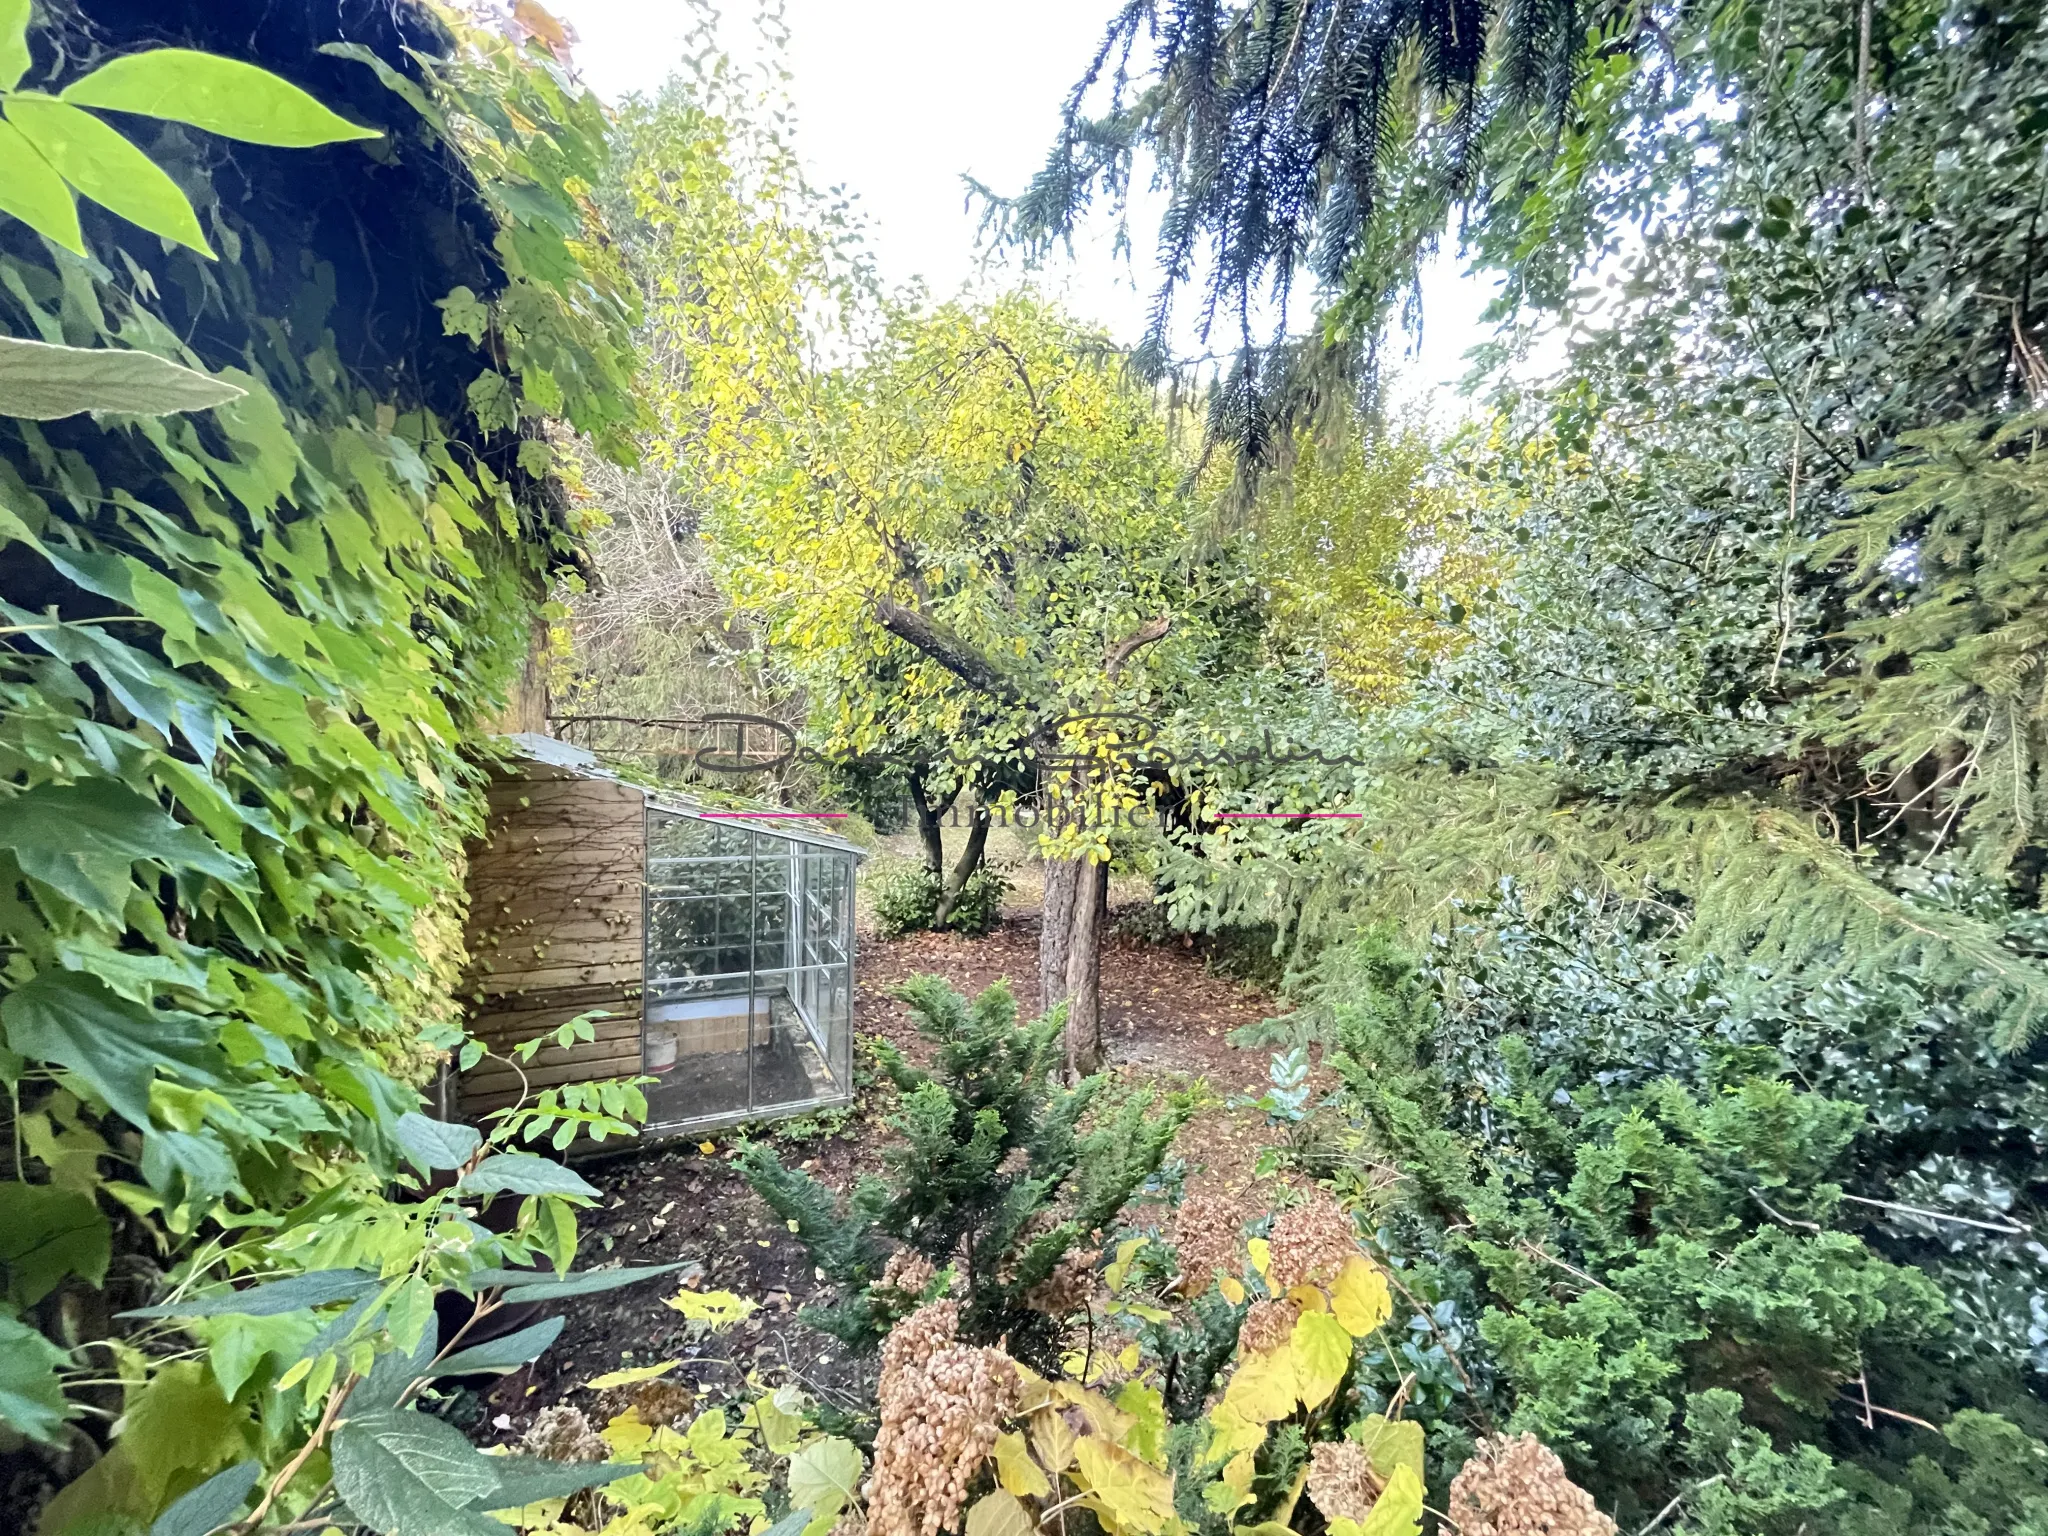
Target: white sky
{"x":896,"y":99}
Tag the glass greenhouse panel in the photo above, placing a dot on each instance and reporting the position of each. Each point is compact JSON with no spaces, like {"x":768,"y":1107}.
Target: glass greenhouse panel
{"x":747,"y":1008}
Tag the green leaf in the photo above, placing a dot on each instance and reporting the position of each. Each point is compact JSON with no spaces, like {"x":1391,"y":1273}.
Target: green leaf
{"x":14,"y":58}
{"x":430,"y":1144}
{"x":538,"y":1285}
{"x":492,"y":402}
{"x":528,"y":1479}
{"x":1389,"y":1443}
{"x":1322,"y":1354}
{"x":521,"y":1173}
{"x":224,"y":96}
{"x":505,"y":1354}
{"x":80,"y":839}
{"x":47,"y":1234}
{"x":31,"y":1398}
{"x":274,"y":1297}
{"x":42,"y":382}
{"x":397,"y":1370}
{"x":824,"y":1477}
{"x":115,"y":1045}
{"x":1000,"y":1514}
{"x":214,"y":1503}
{"x":107,"y":168}
{"x":462,"y":314}
{"x":404,"y":1474}
{"x":1398,"y":1509}
{"x":34,"y":193}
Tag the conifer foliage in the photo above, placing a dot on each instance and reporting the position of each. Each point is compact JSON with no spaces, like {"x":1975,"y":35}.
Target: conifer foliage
{"x":998,"y":1175}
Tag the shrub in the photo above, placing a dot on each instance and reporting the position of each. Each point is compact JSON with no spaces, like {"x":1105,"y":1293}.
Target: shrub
{"x":979,"y":906}
{"x":997,"y":1175}
{"x":904,"y":895}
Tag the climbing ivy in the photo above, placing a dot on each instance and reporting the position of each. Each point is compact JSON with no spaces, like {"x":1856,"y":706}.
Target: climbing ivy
{"x":246,"y":655}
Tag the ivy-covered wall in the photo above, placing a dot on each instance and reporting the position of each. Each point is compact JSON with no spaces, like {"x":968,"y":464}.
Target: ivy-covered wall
{"x":247,"y":656}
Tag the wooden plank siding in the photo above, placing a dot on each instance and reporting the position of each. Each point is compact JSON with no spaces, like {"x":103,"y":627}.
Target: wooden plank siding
{"x":555,"y":929}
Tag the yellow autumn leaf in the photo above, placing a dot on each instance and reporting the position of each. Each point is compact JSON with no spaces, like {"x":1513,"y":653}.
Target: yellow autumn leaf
{"x":1053,"y":1438}
{"x":631,"y":1376}
{"x":1262,"y":1255}
{"x":1232,"y":1434}
{"x":1146,"y":1406}
{"x":1129,"y":1494}
{"x":999,"y":1514}
{"x":707,"y":1147}
{"x":1262,"y":1387}
{"x":1015,"y":1469}
{"x":1232,"y":1289}
{"x":1389,"y":1443}
{"x":1398,"y":1509}
{"x":1103,"y":1416}
{"x":1322,"y":1354}
{"x":1360,"y":1298}
{"x":720,"y":1309}
{"x":1309,"y":1298}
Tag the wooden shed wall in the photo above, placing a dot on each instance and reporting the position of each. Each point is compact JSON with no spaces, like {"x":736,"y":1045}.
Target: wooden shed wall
{"x":556,"y":889}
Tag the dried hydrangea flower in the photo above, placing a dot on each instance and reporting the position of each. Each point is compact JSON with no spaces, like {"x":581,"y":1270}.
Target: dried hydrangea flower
{"x":1310,"y":1243}
{"x":564,"y":1434}
{"x":1268,"y":1325}
{"x":1066,"y":1290}
{"x":908,"y":1271}
{"x":942,"y":1404}
{"x":1514,"y":1485}
{"x":1341,"y":1481}
{"x":1206,"y":1234}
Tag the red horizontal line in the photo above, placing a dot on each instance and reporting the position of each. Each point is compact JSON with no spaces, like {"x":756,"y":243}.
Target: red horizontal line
{"x":1289,"y":815}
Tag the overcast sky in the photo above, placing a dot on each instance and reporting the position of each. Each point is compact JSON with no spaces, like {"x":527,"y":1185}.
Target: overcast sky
{"x":896,"y":100}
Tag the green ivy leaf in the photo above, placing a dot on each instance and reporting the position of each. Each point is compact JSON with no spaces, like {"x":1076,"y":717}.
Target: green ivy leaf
{"x":14,"y":58}
{"x":42,"y":382}
{"x":521,"y":1173}
{"x":31,"y":1398}
{"x":34,"y":193}
{"x":80,"y":1023}
{"x":213,"y":1504}
{"x":107,"y":168}
{"x":430,"y":1144}
{"x":462,"y":314}
{"x":224,"y":96}
{"x":47,"y":1234}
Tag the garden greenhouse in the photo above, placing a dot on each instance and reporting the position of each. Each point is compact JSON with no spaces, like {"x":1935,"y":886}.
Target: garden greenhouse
{"x":716,"y":944}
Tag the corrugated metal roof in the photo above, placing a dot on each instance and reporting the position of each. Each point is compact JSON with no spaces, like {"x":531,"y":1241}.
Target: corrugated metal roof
{"x":554,"y":753}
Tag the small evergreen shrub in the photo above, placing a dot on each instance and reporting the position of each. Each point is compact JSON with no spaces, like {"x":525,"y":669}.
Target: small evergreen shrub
{"x":997,"y":1175}
{"x":905,"y":897}
{"x":979,"y":907}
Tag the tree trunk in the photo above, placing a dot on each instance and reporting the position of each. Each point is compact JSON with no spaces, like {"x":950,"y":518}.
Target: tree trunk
{"x":970,"y":860}
{"x":930,"y":830}
{"x":1062,"y":880}
{"x":1084,"y":972}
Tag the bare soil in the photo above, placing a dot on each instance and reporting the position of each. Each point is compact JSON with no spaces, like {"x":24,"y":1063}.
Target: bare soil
{"x":1165,"y":1018}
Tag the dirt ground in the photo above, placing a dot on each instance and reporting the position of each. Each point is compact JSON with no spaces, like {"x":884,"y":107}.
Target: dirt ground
{"x":1165,"y":1018}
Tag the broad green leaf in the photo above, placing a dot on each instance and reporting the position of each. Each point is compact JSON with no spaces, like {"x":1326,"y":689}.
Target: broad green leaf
{"x":107,"y":168}
{"x":824,"y":1477}
{"x":521,"y":1173}
{"x":117,"y":1046}
{"x":998,"y":1513}
{"x":1131,"y":1494}
{"x":47,"y":1234}
{"x":80,"y":839}
{"x":540,"y":1285}
{"x":223,"y":96}
{"x":430,"y":1144}
{"x":237,"y":1345}
{"x":1146,"y":1406}
{"x":1398,"y":1509}
{"x":14,"y":58}
{"x":31,"y":1398}
{"x":632,"y":1376}
{"x":505,"y":1354}
{"x":526,"y":1480}
{"x":463,"y":314}
{"x":396,"y":1370}
{"x":1015,"y":1468}
{"x":1360,"y":1298}
{"x":214,"y":1503}
{"x":1389,"y":1443}
{"x":42,"y":382}
{"x":1322,"y":1353}
{"x":779,"y":1415}
{"x":405,"y":1474}
{"x":181,"y":1424}
{"x":273,"y":1298}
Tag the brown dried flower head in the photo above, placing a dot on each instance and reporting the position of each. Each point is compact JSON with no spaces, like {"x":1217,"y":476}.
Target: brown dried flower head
{"x":1206,"y":1234}
{"x":1341,"y":1480}
{"x":564,"y":1434}
{"x":908,"y":1271}
{"x":942,"y":1404}
{"x":1514,"y":1485}
{"x":1310,"y":1243}
{"x":1066,"y":1290}
{"x":1267,"y":1325}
